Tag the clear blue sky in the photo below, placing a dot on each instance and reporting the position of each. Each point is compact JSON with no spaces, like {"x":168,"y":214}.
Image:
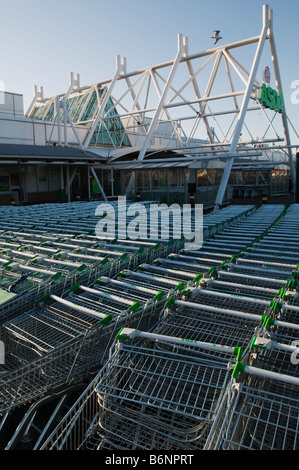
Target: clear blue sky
{"x":42,"y":41}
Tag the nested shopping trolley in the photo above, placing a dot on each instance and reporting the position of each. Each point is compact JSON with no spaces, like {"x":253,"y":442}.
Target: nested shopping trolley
{"x":263,"y":411}
{"x":66,"y":338}
{"x":264,"y":417}
{"x":28,"y":272}
{"x":140,"y":277}
{"x":152,"y":395}
{"x":27,"y":277}
{"x":166,"y":386}
{"x":142,"y":400}
{"x":183,"y":378}
{"x":22,"y":285}
{"x":153,"y":365}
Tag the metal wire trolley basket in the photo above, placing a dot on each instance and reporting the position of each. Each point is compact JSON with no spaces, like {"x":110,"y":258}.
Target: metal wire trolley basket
{"x":265,"y":412}
{"x":65,"y":339}
{"x":170,"y":395}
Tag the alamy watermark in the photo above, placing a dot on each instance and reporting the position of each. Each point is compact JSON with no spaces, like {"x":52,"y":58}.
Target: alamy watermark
{"x":151,"y":222}
{"x":295,"y":353}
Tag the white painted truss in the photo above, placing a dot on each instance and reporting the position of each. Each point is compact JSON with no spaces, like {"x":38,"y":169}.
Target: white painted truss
{"x":203,"y":105}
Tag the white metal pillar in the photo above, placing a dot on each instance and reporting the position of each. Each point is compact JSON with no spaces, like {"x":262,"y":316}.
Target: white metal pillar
{"x":64,"y":99}
{"x":98,"y":183}
{"x":239,"y":125}
{"x":73,"y":175}
{"x":68,"y":120}
{"x":182,"y":49}
{"x":112,"y":181}
{"x":68,"y":189}
{"x":279,"y":90}
{"x":57,"y":118}
{"x":38,"y":96}
{"x":61,"y":178}
{"x":88,"y":183}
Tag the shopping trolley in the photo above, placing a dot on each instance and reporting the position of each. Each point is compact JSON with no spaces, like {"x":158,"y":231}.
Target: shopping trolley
{"x":263,"y":412}
{"x":22,"y":286}
{"x":153,"y":366}
{"x":172,"y":396}
{"x":79,"y":326}
{"x":159,"y":282}
{"x":141,"y":399}
{"x":262,"y":400}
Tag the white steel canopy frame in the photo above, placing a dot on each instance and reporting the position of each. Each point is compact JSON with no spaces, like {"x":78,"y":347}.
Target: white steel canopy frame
{"x":194,"y":105}
{"x":267,"y":29}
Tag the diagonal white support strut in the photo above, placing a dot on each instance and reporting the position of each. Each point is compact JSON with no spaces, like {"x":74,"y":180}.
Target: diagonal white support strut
{"x":120,"y":68}
{"x":182,"y":49}
{"x":98,"y":183}
{"x":240,"y":122}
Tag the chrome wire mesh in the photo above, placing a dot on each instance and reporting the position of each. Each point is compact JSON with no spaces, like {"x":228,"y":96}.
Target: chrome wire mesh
{"x":156,"y":394}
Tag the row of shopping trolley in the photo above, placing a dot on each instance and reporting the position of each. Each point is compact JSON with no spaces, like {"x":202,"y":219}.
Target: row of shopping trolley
{"x":82,"y":217}
{"x":47,"y":248}
{"x":218,"y":368}
{"x":66,"y":338}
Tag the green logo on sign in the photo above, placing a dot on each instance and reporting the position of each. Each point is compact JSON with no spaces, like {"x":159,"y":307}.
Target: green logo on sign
{"x":271,"y":99}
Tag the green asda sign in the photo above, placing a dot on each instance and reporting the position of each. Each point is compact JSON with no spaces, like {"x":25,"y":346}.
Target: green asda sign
{"x":271,"y":99}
